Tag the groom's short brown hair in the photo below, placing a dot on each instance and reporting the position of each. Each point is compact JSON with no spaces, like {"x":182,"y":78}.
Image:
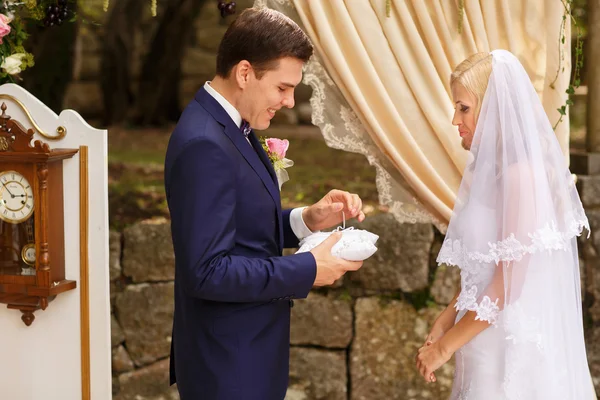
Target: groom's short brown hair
{"x":261,"y":37}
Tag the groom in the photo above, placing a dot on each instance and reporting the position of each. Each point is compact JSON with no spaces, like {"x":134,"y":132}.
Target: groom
{"x":233,"y":287}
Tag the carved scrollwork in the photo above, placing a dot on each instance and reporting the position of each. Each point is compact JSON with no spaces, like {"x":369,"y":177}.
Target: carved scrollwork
{"x":4,"y":143}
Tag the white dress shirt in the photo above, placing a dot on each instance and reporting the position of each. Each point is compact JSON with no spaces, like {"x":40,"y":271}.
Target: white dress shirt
{"x":296,"y":222}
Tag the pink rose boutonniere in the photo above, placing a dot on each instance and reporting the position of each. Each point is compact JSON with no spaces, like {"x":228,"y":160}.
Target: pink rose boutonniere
{"x":276,"y":149}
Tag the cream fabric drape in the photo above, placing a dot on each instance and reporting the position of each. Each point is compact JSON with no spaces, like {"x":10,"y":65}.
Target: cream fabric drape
{"x":381,"y":84}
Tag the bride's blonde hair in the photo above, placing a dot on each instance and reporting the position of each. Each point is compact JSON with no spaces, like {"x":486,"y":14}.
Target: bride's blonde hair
{"x":473,"y":74}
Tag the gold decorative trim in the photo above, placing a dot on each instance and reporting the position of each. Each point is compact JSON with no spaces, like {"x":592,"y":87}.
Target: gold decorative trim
{"x":61,"y":131}
{"x":84,"y":291}
{"x":24,"y":256}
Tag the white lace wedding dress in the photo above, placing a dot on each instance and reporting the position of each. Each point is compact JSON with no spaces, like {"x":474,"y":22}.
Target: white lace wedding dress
{"x":513,"y":234}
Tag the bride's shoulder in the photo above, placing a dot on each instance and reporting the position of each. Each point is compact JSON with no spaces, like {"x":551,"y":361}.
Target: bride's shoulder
{"x":518,"y":174}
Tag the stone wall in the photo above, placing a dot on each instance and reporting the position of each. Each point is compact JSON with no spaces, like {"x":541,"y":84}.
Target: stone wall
{"x":589,"y":254}
{"x":354,"y":341}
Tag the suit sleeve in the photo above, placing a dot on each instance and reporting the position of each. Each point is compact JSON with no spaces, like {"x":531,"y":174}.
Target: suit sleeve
{"x":290,"y":240}
{"x":202,"y":202}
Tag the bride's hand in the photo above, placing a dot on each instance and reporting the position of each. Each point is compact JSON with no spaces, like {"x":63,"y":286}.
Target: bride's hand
{"x":443,"y":323}
{"x":429,"y":359}
{"x":434,"y":335}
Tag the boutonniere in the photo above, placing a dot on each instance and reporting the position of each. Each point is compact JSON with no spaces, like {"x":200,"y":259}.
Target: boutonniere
{"x":276,"y":149}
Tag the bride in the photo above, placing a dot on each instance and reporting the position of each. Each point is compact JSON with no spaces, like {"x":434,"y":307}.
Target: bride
{"x":516,"y":325}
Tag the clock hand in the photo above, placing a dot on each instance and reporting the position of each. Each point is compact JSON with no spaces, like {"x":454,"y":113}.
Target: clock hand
{"x":8,"y":190}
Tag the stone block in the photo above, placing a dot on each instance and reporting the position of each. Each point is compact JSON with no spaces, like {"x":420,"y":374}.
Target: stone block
{"x":148,"y":252}
{"x":388,"y":335}
{"x":121,"y":362}
{"x":321,"y":321}
{"x":402,"y":259}
{"x":145,"y":313}
{"x":149,"y":383}
{"x":317,"y":375}
{"x":114,"y":240}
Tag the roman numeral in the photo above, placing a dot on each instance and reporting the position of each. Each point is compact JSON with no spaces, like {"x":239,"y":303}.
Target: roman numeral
{"x":27,"y":205}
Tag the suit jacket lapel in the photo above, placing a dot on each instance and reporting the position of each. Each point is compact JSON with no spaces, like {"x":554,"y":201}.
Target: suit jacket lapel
{"x":263,"y":156}
{"x":267,"y":163}
{"x":254,"y":160}
{"x":254,"y":154}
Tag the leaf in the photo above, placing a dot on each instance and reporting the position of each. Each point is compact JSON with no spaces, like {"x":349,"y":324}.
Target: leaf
{"x":570,"y":90}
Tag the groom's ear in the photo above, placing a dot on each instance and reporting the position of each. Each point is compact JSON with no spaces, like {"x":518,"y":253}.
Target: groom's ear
{"x":242,"y":71}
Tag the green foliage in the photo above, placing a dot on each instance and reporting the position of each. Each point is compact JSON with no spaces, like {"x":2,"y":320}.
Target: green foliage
{"x":16,"y":16}
{"x":345,"y":295}
{"x":420,"y":299}
{"x":576,"y":80}
{"x":461,"y":14}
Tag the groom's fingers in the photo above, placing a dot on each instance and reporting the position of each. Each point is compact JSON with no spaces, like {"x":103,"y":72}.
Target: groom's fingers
{"x":331,"y":240}
{"x":357,"y":203}
{"x":353,"y":265}
{"x":354,"y":204}
{"x":361,"y":216}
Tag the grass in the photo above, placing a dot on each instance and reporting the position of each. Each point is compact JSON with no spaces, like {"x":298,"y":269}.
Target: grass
{"x":136,"y":158}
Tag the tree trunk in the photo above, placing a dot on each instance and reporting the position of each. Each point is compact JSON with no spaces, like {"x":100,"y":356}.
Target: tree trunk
{"x":52,"y":49}
{"x":158,"y":96}
{"x":119,"y":34}
{"x":592,"y":62}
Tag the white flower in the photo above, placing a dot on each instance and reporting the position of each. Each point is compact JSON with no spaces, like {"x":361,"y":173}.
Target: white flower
{"x":12,"y":63}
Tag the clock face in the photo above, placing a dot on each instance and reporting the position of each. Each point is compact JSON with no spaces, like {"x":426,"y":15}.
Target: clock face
{"x":16,"y":197}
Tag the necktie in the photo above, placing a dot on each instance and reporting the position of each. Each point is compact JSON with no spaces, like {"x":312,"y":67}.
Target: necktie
{"x":245,"y":128}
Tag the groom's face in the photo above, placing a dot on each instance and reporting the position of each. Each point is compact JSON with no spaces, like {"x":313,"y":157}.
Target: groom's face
{"x":262,"y":98}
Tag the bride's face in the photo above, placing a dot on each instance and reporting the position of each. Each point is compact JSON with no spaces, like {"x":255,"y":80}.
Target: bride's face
{"x":465,"y":105}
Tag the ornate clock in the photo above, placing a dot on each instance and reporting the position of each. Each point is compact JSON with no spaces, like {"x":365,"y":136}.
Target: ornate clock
{"x":32,"y":262}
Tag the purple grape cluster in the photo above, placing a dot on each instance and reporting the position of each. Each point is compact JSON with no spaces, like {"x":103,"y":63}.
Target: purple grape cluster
{"x":226,"y":8}
{"x":56,"y":14}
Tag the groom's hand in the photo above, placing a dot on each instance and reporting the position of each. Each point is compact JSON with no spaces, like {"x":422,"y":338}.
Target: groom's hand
{"x":330,"y":268}
{"x":327,"y":212}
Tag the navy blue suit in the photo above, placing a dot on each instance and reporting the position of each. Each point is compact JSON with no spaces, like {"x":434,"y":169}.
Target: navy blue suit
{"x":233,"y":289}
